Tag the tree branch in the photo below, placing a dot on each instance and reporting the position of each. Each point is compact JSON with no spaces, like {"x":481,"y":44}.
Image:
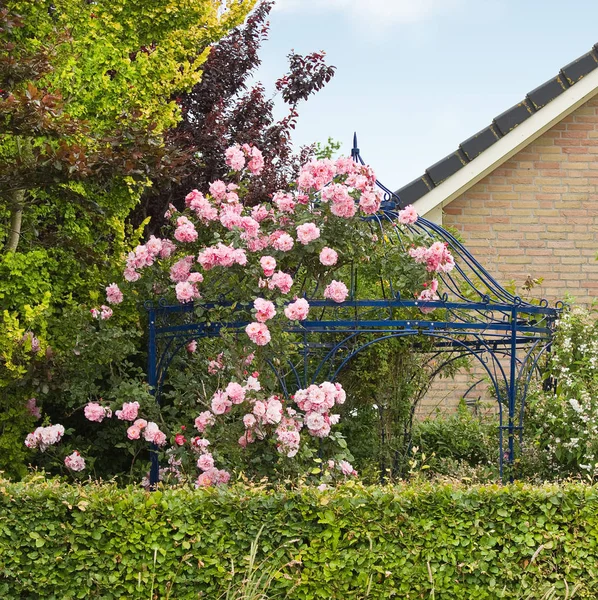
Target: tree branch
{"x":16,"y":198}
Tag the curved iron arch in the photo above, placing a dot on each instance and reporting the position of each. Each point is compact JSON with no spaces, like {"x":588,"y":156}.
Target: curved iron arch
{"x":477,"y":315}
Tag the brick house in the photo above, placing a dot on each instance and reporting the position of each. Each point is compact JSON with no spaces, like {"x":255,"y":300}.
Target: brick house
{"x":523,"y":193}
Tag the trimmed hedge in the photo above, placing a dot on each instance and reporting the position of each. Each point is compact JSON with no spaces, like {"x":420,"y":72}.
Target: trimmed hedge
{"x":61,"y":542}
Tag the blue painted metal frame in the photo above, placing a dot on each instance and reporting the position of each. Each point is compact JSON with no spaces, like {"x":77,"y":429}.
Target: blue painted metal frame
{"x":475,"y":316}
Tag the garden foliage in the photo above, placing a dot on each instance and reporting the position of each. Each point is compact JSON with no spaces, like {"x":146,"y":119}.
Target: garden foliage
{"x":85,"y":97}
{"x":446,"y":542}
{"x":561,"y":421}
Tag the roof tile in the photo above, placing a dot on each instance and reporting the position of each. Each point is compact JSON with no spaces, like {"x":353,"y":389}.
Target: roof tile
{"x":514,"y":116}
{"x":479,"y":142}
{"x":548,"y":91}
{"x":413,"y":191}
{"x":446,"y":167}
{"x":577,"y":69}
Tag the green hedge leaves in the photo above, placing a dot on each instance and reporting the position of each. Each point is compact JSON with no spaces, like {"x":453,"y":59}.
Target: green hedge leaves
{"x":408,"y":542}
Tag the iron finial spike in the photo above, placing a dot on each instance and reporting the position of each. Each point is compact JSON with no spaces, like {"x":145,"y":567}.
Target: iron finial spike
{"x":355,"y":149}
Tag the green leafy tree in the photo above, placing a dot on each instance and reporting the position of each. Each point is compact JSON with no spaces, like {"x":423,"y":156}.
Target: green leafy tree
{"x":86,"y":96}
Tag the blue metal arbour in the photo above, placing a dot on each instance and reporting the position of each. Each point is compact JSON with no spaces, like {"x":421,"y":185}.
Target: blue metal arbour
{"x":475,"y":316}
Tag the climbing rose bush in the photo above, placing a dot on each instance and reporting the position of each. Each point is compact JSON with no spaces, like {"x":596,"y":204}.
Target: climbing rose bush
{"x":268,"y":261}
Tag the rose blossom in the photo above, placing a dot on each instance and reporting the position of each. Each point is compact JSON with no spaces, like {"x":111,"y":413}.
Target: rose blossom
{"x":284,"y":202}
{"x":133,"y":432}
{"x":298,"y":310}
{"x":43,"y":437}
{"x":200,"y":444}
{"x":234,"y":157}
{"x":192,"y":346}
{"x":258,"y":333}
{"x":185,"y":231}
{"x":346,"y":468}
{"x":236,"y":392}
{"x":429,"y":295}
{"x":33,"y":409}
{"x":369,"y":202}
{"x":181,"y":269}
{"x":259,"y":409}
{"x":128,"y":412}
{"x":218,"y":190}
{"x":328,"y":256}
{"x":220,"y":403}
{"x":205,"y":462}
{"x":249,"y":421}
{"x":75,"y":462}
{"x":265,"y":310}
{"x":94,"y":412}
{"x":153,"y":434}
{"x":205,"y":419}
{"x":256,"y":163}
{"x":113,"y":294}
{"x":283,"y":242}
{"x":105,"y":312}
{"x":336,"y":291}
{"x":268,"y":264}
{"x":308,"y":232}
{"x":408,"y":215}
{"x":179,"y":439}
{"x":282,"y":281}
{"x":186,"y":292}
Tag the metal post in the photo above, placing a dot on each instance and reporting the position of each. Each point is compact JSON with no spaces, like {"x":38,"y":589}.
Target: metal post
{"x":152,"y":380}
{"x":512,"y":390}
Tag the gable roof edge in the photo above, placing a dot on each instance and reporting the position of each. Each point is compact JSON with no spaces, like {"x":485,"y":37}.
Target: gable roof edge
{"x":506,"y":147}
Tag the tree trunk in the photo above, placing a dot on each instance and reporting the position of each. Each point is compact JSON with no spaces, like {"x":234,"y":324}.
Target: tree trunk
{"x":16,"y":198}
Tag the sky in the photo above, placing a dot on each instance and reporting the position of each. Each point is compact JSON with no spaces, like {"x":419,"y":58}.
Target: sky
{"x":417,"y":77}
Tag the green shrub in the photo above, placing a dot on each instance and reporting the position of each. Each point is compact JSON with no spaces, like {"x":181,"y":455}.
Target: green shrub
{"x":459,"y":439}
{"x":351,"y":542}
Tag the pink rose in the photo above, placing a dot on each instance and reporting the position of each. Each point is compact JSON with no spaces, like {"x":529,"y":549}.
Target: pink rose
{"x":133,"y":432}
{"x":128,"y":412}
{"x":284,"y":202}
{"x":75,"y":462}
{"x":268,"y":264}
{"x":220,"y":403}
{"x":218,"y":190}
{"x":205,"y":462}
{"x":408,"y":215}
{"x":328,"y":257}
{"x":307,"y":233}
{"x":186,"y":292}
{"x":249,"y":421}
{"x":94,"y":412}
{"x":336,"y":291}
{"x":258,"y":333}
{"x":298,"y":310}
{"x":113,"y":294}
{"x":265,"y":310}
{"x":369,"y":202}
{"x":234,"y":157}
{"x":235,"y":392}
{"x":283,"y":242}
{"x":282,"y":281}
{"x":105,"y":312}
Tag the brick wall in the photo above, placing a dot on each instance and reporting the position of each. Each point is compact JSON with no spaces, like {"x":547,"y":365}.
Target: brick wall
{"x":538,"y":213}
